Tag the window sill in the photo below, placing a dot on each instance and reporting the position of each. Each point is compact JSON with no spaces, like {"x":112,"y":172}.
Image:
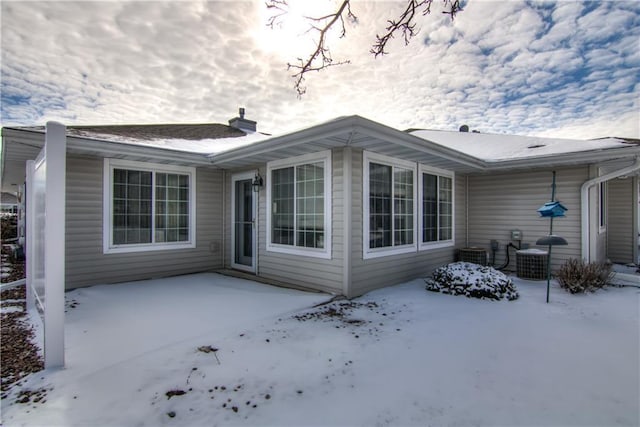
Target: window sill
{"x":383,"y":252}
{"x":314,"y":253}
{"x":436,"y":245}
{"x":148,"y":248}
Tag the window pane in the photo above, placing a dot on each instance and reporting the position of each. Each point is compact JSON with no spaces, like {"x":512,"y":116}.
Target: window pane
{"x":429,"y":208}
{"x":403,"y":206}
{"x":131,"y":200}
{"x":379,"y":205}
{"x":446,"y":208}
{"x":309,"y":179}
{"x":172,"y":206}
{"x":282,"y":206}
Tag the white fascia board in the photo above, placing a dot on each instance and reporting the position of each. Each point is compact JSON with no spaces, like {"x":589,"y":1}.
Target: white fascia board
{"x":377,"y":130}
{"x":325,"y":130}
{"x":110,"y":148}
{"x":347,"y":126}
{"x":567,"y":159}
{"x":118,"y":150}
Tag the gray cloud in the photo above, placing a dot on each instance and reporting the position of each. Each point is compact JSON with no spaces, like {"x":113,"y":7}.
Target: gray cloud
{"x":559,"y":69}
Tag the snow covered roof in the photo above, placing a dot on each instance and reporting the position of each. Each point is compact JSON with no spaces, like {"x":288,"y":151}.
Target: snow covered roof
{"x":206,"y":138}
{"x":225,"y":146}
{"x":496,"y":147}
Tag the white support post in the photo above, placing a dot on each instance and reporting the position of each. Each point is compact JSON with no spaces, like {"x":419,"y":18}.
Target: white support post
{"x":29,"y":233}
{"x":54,"y":263}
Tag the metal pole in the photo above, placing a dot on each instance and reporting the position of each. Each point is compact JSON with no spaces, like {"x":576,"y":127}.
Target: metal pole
{"x":549,"y":261}
{"x":553,"y":199}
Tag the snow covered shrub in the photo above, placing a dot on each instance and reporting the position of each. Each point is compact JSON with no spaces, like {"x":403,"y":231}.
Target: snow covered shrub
{"x":577,"y":277}
{"x":472,"y":280}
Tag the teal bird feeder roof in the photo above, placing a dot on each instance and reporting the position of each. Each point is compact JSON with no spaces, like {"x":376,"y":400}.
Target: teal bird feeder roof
{"x":552,"y":210}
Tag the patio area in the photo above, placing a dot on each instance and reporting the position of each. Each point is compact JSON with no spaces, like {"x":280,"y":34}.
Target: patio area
{"x":109,"y":324}
{"x":207,"y":349}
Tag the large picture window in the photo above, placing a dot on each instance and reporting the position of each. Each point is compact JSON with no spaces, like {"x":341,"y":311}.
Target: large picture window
{"x":390,"y":208}
{"x":148,"y":206}
{"x":436,"y":207}
{"x":298,"y":204}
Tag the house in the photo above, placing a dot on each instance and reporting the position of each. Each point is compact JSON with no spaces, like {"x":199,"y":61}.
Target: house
{"x":345,"y":206}
{"x":8,"y":204}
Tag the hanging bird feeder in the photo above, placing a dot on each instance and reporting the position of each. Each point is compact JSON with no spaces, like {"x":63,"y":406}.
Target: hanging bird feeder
{"x":552,"y":210}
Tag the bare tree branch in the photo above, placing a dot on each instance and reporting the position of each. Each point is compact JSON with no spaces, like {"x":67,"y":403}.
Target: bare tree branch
{"x":321,"y":57}
{"x":319,"y":27}
{"x":280,"y":9}
{"x":405,"y":23}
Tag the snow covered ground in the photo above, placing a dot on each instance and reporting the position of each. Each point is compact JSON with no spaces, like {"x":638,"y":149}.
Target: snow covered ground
{"x":397,"y":356}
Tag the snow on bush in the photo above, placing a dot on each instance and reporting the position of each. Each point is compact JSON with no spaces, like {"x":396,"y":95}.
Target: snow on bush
{"x":472,"y":280}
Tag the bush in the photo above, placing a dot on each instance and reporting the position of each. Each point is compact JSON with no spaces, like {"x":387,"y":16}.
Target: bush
{"x":577,"y":277}
{"x":472,"y":280}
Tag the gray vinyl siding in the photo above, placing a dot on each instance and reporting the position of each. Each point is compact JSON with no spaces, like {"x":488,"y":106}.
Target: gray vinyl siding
{"x":620,"y":226}
{"x":308,"y":272}
{"x":86,"y":264}
{"x":501,"y":202}
{"x":374,"y":273}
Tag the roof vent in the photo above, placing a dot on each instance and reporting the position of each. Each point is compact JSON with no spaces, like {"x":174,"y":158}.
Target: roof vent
{"x":242,"y":123}
{"x":464,"y":128}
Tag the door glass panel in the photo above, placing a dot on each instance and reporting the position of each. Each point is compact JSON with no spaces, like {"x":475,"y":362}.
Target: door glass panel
{"x":243,"y":223}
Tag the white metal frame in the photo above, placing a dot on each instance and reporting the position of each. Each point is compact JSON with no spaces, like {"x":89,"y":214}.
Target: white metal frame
{"x":46,"y":197}
{"x":325,"y":253}
{"x":254,"y":231}
{"x":107,"y":204}
{"x":587,"y":239}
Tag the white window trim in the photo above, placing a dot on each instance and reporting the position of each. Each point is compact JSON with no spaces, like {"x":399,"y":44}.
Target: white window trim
{"x":367,"y":252}
{"x":254,"y":231}
{"x":107,"y":204}
{"x":422,"y":169}
{"x":325,"y":157}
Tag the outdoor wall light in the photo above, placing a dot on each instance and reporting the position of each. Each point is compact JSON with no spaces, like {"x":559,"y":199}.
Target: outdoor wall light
{"x":257,"y":182}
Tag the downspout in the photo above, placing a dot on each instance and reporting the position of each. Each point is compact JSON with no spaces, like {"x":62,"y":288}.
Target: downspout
{"x":224,"y":219}
{"x":466,"y":211}
{"x":584,"y":202}
{"x":347,"y":217}
{"x":636,"y":218}
{"x":257,"y":224}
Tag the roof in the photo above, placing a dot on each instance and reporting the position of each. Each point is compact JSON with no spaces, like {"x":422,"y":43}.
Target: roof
{"x":496,"y":148}
{"x":203,"y":138}
{"x":8,"y":198}
{"x":221,"y":146}
{"x":353,"y":131}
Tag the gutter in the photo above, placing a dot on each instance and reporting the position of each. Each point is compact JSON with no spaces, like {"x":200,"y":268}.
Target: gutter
{"x":584,"y":203}
{"x":118,"y":149}
{"x":565,"y":159}
{"x":82,"y":145}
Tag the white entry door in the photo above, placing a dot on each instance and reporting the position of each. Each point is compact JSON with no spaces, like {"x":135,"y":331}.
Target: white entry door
{"x":244,"y":215}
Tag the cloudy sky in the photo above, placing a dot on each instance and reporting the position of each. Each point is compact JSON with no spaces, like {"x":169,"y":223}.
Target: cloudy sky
{"x":565,"y":68}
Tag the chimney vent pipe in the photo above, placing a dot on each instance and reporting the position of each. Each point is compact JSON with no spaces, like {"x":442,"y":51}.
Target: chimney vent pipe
{"x":241,"y":123}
